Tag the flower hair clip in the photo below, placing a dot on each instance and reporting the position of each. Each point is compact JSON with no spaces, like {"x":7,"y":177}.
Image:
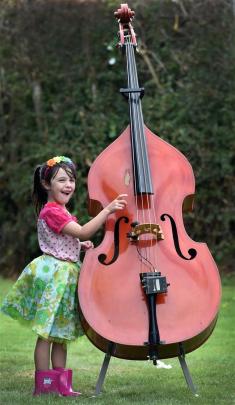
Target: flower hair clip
{"x":58,"y":159}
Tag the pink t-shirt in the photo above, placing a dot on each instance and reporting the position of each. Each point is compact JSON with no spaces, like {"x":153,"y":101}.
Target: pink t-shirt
{"x":52,"y":219}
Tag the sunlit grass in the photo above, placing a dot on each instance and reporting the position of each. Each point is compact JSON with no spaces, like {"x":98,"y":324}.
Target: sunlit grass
{"x":212,"y":367}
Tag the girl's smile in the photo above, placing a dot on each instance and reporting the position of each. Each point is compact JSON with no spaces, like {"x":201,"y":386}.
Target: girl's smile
{"x":61,"y":187}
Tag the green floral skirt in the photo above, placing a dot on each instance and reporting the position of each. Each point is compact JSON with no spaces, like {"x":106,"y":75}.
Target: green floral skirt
{"x":45,"y":296}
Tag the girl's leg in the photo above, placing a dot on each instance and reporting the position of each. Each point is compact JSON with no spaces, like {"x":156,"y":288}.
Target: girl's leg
{"x":42,"y":354}
{"x":58,"y":355}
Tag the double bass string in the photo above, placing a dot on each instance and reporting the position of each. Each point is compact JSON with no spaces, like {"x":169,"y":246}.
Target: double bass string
{"x":136,"y":155}
{"x":132,"y":113}
{"x":130,"y":80}
{"x":151,"y":208}
{"x":150,"y":198}
{"x":136,"y":145}
{"x":139,"y":132}
{"x":142,"y":156}
{"x":145,"y":258}
{"x":132,"y":149}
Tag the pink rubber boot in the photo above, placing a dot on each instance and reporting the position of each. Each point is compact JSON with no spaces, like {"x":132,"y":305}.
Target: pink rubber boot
{"x":47,"y":381}
{"x":66,"y":375}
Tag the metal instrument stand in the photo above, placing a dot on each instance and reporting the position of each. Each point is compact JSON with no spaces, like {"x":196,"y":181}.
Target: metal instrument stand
{"x":185,"y":370}
{"x":104,"y":368}
{"x":110,"y":351}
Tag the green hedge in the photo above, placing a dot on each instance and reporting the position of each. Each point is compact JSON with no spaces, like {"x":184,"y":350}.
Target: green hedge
{"x":59,"y":95}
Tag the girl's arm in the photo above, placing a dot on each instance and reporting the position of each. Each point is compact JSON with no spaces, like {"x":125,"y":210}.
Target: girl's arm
{"x":90,"y":228}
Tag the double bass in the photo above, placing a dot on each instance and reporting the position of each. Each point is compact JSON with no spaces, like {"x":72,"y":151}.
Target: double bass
{"x":148,"y":289}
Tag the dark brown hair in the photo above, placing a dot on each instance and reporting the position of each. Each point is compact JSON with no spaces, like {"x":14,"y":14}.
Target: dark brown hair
{"x":46,"y":173}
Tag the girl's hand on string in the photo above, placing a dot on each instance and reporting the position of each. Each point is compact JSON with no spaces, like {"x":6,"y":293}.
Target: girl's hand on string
{"x":86,"y":245}
{"x":118,"y":204}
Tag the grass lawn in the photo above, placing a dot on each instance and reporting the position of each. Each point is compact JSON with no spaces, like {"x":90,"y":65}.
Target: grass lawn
{"x":212,"y":367}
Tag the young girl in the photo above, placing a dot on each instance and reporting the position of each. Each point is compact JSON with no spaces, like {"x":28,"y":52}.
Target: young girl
{"x":45,"y":293}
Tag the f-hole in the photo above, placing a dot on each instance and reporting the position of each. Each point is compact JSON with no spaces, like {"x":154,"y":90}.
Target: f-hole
{"x":192,"y":252}
{"x":102,"y":257}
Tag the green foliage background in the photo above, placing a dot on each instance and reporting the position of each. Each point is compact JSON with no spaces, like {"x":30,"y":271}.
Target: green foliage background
{"x":59,"y":96}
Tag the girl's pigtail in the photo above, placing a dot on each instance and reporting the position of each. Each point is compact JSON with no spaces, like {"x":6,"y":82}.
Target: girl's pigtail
{"x":39,"y":194}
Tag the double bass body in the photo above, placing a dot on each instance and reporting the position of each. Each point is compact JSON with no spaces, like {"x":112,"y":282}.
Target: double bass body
{"x":112,"y":302}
